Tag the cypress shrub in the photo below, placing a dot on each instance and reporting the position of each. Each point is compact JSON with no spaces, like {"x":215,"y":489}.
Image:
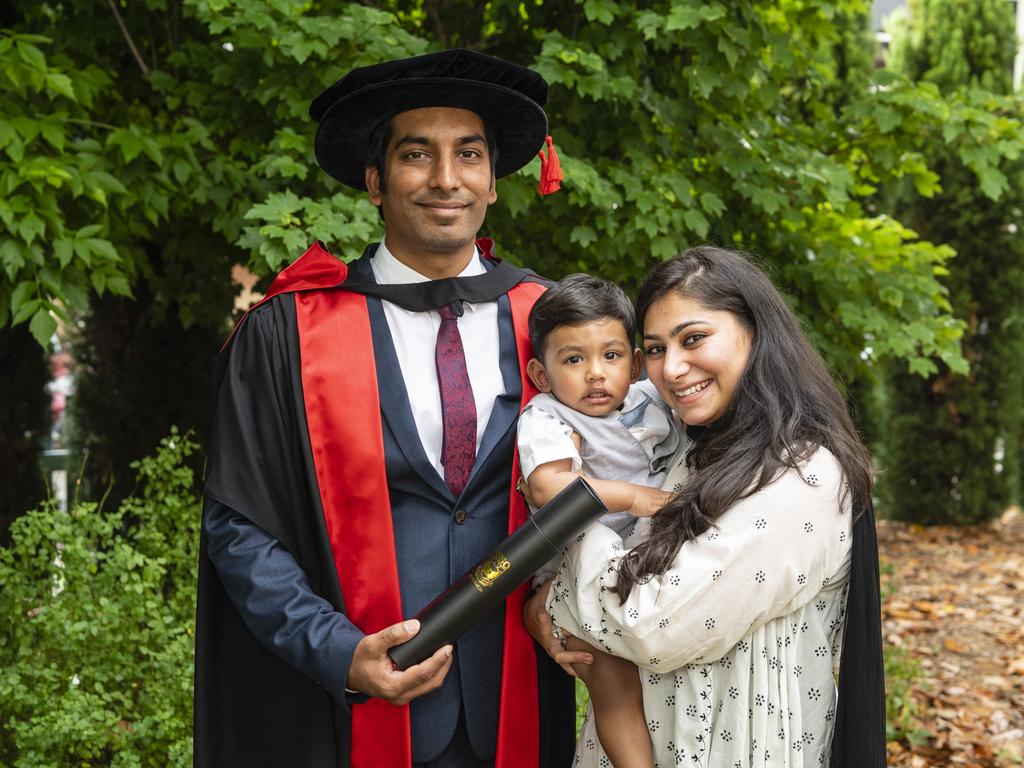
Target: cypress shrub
{"x":952,"y":443}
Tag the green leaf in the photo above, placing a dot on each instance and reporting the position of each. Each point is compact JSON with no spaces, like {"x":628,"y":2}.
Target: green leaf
{"x":42,"y":327}
{"x":104,"y":248}
{"x":887,"y":119}
{"x":582,"y":235}
{"x":11,"y":257}
{"x":696,"y":222}
{"x":993,"y":182}
{"x":15,"y":147}
{"x":63,"y":249}
{"x":729,"y":51}
{"x":21,"y":293}
{"x":768,"y":200}
{"x":25,"y":311}
{"x":711,"y":11}
{"x":130,"y":143}
{"x":682,"y":17}
{"x":601,"y":11}
{"x":60,"y":84}
{"x":650,"y":24}
{"x":89,"y":230}
{"x":32,"y":56}
{"x":712,"y":203}
{"x":119,"y":286}
{"x":182,"y":169}
{"x":30,"y":227}
{"x":54,"y":135}
{"x":27,"y":127}
{"x":7,"y":132}
{"x":922,"y":366}
{"x":50,"y":281}
{"x":891,"y":295}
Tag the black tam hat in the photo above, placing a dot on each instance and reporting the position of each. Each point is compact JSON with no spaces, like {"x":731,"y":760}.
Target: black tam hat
{"x":508,"y":98}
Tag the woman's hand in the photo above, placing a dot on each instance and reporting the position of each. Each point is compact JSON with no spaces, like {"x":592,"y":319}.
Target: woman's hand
{"x":648,"y":501}
{"x":538,"y":623}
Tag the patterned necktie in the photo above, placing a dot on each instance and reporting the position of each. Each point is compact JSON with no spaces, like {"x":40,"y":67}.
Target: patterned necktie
{"x":458,"y":409}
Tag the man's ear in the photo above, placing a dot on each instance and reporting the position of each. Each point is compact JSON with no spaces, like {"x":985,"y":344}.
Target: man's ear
{"x":372,"y":179}
{"x":539,"y":377}
{"x":638,"y":361}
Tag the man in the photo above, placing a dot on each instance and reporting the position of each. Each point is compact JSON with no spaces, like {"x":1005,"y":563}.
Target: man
{"x":362,"y":457}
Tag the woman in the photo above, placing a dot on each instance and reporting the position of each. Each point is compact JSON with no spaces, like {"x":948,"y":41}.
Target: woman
{"x":733,"y":599}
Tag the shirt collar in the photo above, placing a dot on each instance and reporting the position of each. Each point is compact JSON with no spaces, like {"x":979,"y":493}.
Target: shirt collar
{"x":389,"y":270}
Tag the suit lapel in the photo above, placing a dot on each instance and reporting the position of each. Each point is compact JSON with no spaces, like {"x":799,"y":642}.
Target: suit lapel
{"x":506,"y":407}
{"x":394,"y":400}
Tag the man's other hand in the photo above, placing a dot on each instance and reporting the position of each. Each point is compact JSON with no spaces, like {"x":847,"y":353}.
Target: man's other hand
{"x":373,"y":673}
{"x":538,"y":623}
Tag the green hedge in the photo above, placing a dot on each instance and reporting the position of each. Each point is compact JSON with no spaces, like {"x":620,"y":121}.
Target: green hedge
{"x":96,"y":629}
{"x":97,"y":612}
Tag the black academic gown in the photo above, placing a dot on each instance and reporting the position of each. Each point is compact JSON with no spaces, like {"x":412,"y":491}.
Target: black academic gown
{"x":261,"y":433}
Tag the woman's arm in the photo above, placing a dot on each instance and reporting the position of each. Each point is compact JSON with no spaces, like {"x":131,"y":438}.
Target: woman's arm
{"x":767,"y":556}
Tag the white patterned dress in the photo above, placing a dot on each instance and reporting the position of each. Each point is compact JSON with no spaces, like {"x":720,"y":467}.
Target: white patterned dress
{"x":737,"y":641}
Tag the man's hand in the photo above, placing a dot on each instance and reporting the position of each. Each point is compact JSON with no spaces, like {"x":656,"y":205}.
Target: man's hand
{"x":648,"y":501}
{"x":538,"y":623}
{"x":372,"y":671}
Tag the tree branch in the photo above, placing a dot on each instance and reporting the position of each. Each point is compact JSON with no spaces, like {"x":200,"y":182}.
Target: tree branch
{"x":149,"y":37}
{"x":435,"y":15}
{"x":128,"y":38}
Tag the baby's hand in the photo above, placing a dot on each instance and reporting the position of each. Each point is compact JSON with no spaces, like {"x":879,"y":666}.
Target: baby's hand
{"x":648,"y":501}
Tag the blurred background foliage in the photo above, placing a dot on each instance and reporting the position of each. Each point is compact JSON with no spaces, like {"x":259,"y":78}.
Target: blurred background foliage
{"x":954,"y":450}
{"x":97,"y":616}
{"x":147,"y":147}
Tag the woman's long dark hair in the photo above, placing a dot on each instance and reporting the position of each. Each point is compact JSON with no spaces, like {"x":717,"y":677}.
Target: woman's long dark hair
{"x":785,"y":405}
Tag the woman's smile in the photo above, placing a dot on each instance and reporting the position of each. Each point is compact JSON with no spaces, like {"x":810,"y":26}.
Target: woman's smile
{"x":689,"y":394}
{"x":695,"y":356}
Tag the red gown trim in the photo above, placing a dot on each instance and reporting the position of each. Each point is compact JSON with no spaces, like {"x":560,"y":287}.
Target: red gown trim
{"x":518,"y":727}
{"x":354,"y":492}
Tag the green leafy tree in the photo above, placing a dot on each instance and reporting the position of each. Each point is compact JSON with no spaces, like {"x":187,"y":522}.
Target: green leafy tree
{"x":172,"y":141}
{"x":747,"y":124}
{"x":679,"y":121}
{"x":97,"y":613}
{"x":952,"y":449}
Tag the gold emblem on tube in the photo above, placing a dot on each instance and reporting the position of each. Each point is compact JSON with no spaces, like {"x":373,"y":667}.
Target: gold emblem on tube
{"x":485,"y":574}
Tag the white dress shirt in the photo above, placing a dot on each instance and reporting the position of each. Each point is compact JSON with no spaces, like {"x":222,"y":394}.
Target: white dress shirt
{"x":415,"y":337}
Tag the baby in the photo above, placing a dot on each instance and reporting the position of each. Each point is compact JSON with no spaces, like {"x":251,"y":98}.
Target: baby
{"x":593,"y":418}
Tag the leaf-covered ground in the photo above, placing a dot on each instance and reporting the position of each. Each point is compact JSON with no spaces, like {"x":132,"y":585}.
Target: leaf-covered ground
{"x":955,"y":602}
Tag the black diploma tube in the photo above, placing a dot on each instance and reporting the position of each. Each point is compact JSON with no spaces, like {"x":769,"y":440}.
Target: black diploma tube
{"x":494,"y":578}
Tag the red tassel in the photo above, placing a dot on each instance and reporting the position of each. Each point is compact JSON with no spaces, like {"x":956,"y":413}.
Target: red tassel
{"x":550,"y":169}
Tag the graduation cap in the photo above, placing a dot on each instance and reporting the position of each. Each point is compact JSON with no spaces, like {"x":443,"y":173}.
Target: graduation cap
{"x":507,"y":97}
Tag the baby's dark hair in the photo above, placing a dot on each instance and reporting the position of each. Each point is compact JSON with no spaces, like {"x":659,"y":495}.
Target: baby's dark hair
{"x":575,"y":300}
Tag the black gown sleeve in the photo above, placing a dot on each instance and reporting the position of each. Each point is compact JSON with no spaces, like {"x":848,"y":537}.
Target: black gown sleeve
{"x":859,"y":737}
{"x":251,"y":707}
{"x":271,"y":594}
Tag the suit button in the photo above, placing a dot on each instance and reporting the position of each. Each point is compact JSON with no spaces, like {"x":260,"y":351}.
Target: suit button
{"x":460,"y":516}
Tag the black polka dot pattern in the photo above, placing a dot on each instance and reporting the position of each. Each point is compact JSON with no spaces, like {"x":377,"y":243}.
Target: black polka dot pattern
{"x":705,"y":713}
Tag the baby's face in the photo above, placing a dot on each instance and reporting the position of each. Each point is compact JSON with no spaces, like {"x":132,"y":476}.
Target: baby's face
{"x":588,"y":367}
